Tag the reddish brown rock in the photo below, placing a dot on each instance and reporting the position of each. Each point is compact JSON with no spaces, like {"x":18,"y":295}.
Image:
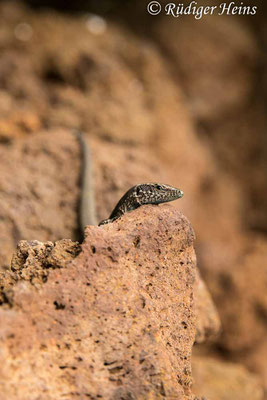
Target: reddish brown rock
{"x":32,"y":263}
{"x":126,"y":94}
{"x":243,"y":297}
{"x":224,"y":380}
{"x":233,"y":124}
{"x":240,"y":293}
{"x":40,"y":184}
{"x":117,"y":321}
{"x":208,"y":322}
{"x":205,"y":70}
{"x":69,"y":80}
{"x":37,"y":201}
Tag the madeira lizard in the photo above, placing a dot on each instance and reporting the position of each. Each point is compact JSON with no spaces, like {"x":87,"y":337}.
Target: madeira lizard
{"x":138,"y":195}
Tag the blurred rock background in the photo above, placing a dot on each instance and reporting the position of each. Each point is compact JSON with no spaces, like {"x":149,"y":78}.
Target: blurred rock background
{"x":181,"y":101}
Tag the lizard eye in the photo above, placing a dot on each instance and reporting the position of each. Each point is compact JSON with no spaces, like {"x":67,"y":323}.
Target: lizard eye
{"x":158,"y":187}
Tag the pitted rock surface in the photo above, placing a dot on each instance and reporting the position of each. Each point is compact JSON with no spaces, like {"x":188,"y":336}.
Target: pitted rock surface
{"x":118,"y":321}
{"x":32,"y":263}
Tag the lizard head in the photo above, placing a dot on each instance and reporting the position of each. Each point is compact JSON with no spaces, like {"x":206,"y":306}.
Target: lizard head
{"x":155,"y":193}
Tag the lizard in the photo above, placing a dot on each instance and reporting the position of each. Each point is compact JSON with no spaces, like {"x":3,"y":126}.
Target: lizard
{"x":136,"y":196}
{"x":144,"y":193}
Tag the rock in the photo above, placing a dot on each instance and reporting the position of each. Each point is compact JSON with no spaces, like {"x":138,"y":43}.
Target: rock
{"x":32,"y":263}
{"x":150,"y":115}
{"x":234,"y":73}
{"x":231,"y":255}
{"x":38,"y":199}
{"x":117,"y":321}
{"x":203,"y":70}
{"x":240,"y":293}
{"x":48,"y":191}
{"x":224,"y":380}
{"x":208,"y":322}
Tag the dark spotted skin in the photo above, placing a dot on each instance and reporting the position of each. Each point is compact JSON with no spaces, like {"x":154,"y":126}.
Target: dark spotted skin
{"x":145,"y":193}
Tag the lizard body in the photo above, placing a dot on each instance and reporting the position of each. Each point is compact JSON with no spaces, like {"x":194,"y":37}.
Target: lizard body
{"x":138,"y":195}
{"x":145,"y":193}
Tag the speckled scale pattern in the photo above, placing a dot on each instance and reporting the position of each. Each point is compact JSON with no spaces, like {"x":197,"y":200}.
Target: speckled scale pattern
{"x":144,"y":193}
